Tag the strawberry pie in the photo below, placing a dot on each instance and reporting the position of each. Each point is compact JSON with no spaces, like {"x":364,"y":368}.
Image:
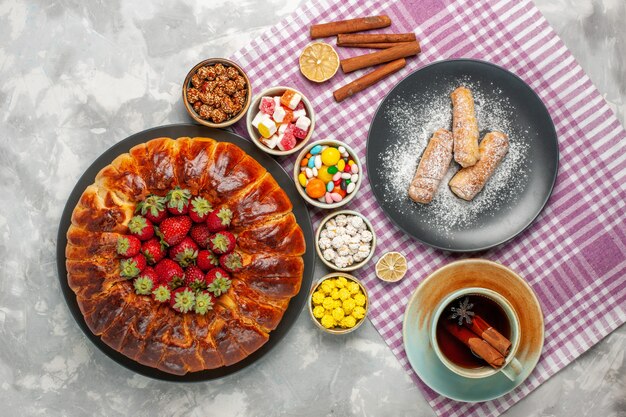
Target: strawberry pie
{"x":184,"y":254}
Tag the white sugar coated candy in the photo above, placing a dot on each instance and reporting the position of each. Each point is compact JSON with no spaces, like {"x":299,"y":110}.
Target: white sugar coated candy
{"x":341,"y":230}
{"x":324,"y":243}
{"x":366,"y":236}
{"x":343,"y":250}
{"x":279,"y":114}
{"x":324,"y":233}
{"x":282,"y":128}
{"x":357,"y":222}
{"x":341,"y":220}
{"x":257,"y":119}
{"x":350,"y":230}
{"x":303,"y":123}
{"x":341,"y":261}
{"x":329,"y":254}
{"x":276,"y":101}
{"x":337,"y":242}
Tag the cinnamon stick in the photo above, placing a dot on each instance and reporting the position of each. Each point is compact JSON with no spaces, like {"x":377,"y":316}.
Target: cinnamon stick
{"x":479,"y":346}
{"x":379,"y":45}
{"x":355,"y":38}
{"x":368,"y":80}
{"x":491,"y":335}
{"x":323,"y":30}
{"x":375,"y":58}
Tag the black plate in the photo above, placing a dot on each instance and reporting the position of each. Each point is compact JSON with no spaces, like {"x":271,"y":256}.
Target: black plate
{"x":299,"y":209}
{"x":529,"y":124}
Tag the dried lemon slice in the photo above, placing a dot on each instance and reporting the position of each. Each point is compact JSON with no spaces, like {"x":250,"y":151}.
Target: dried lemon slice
{"x":319,"y":62}
{"x":391,"y":267}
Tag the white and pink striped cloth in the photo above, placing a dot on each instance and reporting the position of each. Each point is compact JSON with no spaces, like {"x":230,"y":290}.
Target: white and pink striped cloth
{"x":574,"y":255}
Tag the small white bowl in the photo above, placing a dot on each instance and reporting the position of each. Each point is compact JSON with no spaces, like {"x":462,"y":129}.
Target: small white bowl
{"x":315,"y":202}
{"x":254,"y":109}
{"x":349,"y":278}
{"x":355,"y":265}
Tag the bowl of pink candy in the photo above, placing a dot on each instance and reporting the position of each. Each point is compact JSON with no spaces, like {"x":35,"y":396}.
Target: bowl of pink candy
{"x":280,"y":120}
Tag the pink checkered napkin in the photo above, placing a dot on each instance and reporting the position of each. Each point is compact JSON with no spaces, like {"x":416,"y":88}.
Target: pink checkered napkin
{"x":574,"y":256}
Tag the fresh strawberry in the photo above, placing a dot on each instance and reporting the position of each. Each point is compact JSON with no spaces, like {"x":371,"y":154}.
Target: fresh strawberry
{"x":169,"y":273}
{"x":231,"y":262}
{"x":152,"y":208}
{"x":183,"y":300}
{"x":174,"y":229}
{"x":141,"y":227}
{"x":204,"y":302}
{"x":200,"y":234}
{"x":128,"y":245}
{"x":199,"y":210}
{"x":153,"y":250}
{"x":185,"y":253}
{"x":131,"y":267}
{"x":178,"y":201}
{"x":194,"y":278}
{"x":222,"y":242}
{"x":145,"y":281}
{"x":206,"y":260}
{"x":218,"y":281}
{"x":162,"y":293}
{"x":218,"y":220}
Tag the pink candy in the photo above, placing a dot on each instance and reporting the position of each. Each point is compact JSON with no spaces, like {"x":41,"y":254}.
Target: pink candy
{"x":299,"y":133}
{"x":268,"y":105}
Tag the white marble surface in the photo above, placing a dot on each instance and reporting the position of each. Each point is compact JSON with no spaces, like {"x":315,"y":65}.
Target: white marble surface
{"x":78,"y":76}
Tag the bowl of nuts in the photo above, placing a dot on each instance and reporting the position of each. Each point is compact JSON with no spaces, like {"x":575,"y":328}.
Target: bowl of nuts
{"x":345,"y":240}
{"x":216,"y":92}
{"x":338,"y":303}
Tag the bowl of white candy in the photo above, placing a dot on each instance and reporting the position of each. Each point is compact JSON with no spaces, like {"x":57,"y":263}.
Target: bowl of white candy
{"x":345,"y":240}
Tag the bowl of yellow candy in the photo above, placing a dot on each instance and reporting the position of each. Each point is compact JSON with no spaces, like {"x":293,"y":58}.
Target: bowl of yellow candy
{"x":338,"y":303}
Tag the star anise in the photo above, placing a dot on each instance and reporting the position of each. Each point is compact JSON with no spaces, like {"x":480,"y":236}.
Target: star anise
{"x":462,"y":312}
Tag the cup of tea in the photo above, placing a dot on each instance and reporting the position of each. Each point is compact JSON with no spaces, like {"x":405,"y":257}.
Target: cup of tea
{"x":475,"y":332}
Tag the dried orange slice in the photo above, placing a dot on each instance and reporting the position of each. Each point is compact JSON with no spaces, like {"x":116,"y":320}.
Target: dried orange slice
{"x":391,"y":267}
{"x":319,"y":62}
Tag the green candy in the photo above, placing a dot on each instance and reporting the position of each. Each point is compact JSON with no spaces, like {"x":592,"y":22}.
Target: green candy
{"x":332,"y":170}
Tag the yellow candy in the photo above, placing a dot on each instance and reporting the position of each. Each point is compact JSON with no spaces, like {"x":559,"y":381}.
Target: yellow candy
{"x":348,"y":322}
{"x":348,"y":305}
{"x":338,"y":303}
{"x":358,"y":312}
{"x":338,"y":314}
{"x":327,"y":286}
{"x":341,"y":282}
{"x":359,"y":299}
{"x":318,"y":297}
{"x":334,"y":294}
{"x":330,"y":156}
{"x":267,"y":128}
{"x":302,"y":179}
{"x":328,"y":303}
{"x":353,"y":287}
{"x":323,"y":174}
{"x":328,"y":321}
{"x":341,"y":165}
{"x":344,"y":294}
{"x":318,"y":312}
